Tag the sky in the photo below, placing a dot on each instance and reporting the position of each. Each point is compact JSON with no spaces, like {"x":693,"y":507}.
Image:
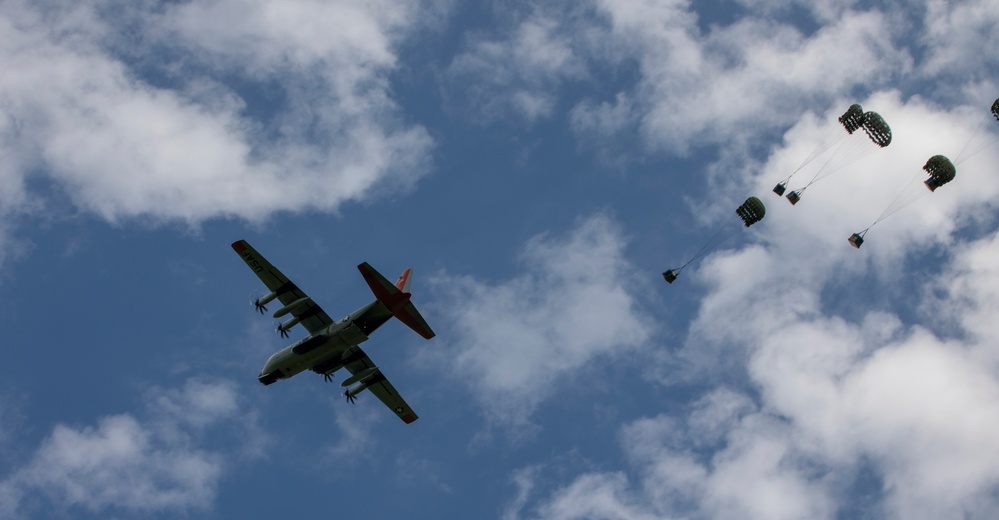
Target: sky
{"x":539,"y":165}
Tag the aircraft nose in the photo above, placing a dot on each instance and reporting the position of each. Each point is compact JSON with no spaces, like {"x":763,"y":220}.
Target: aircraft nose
{"x":269,"y":378}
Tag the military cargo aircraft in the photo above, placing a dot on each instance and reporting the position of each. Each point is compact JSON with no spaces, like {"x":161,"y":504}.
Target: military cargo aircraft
{"x":332,"y":345}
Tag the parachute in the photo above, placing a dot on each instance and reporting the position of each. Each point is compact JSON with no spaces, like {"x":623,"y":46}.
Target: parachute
{"x":939,"y":168}
{"x":877,"y":129}
{"x":941,"y":171}
{"x":846,"y":152}
{"x":751,"y":212}
{"x":851,"y":121}
{"x":852,"y":118}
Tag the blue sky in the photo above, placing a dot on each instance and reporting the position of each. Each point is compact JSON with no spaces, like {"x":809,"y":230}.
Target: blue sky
{"x":539,"y":165}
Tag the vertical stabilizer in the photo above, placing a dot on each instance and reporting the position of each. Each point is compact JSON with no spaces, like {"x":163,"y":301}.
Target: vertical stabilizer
{"x":404,"y":279}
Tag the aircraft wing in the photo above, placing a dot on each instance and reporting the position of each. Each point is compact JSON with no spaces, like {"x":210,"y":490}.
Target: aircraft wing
{"x":379,"y":385}
{"x":309,"y":314}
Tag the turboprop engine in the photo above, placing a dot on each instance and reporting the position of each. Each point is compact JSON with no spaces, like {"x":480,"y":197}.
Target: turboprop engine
{"x":362,"y":378}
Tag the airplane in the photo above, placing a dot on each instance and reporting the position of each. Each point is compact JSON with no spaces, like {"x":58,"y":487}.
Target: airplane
{"x":332,"y":345}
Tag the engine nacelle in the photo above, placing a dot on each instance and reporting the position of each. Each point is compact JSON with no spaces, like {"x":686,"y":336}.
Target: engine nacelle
{"x":356,"y":389}
{"x":361,"y":376}
{"x":297,"y":304}
{"x":267,"y":298}
{"x":286,"y":326}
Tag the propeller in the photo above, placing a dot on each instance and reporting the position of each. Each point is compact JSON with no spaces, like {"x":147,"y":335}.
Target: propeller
{"x":280,"y":330}
{"x":259,"y":306}
{"x":350,"y":398}
{"x":328,"y":377}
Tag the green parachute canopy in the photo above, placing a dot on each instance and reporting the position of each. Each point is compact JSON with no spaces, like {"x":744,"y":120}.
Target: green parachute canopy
{"x":751,"y":211}
{"x":941,"y":171}
{"x":877,"y":129}
{"x":853,"y":118}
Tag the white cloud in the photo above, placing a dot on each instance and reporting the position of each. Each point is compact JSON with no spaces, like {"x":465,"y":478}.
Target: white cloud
{"x":753,"y":472}
{"x":125,"y":463}
{"x":701,"y":87}
{"x":122,"y":146}
{"x":955,"y":35}
{"x":595,"y":496}
{"x":519,"y":74}
{"x":356,"y":442}
{"x":514,"y":342}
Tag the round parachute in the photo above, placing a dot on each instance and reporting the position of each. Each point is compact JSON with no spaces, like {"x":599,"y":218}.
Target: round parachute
{"x":846,"y":147}
{"x":853,"y":118}
{"x":877,"y":129}
{"x":995,"y":109}
{"x":941,"y":171}
{"x":751,"y":211}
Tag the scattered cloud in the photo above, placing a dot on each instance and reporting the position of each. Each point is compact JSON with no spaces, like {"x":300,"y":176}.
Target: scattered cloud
{"x":731,"y":82}
{"x":512,"y":342}
{"x":519,"y":73}
{"x":141,"y":464}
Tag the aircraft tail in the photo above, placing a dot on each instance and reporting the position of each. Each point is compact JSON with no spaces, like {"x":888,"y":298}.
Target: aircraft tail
{"x":396,"y":298}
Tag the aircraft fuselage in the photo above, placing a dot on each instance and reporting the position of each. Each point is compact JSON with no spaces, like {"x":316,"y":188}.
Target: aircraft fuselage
{"x":323,"y":352}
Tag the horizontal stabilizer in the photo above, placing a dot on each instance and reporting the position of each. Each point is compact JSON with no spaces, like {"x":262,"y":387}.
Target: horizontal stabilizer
{"x":414,"y":320}
{"x":396,"y":298}
{"x":383,"y":290}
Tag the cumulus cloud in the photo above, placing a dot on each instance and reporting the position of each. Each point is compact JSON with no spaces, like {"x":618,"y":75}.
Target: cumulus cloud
{"x":729,"y":82}
{"x":251,"y":108}
{"x":518,"y":73}
{"x":153,"y":463}
{"x":726,"y":460}
{"x":513,"y":342}
{"x":955,"y":35}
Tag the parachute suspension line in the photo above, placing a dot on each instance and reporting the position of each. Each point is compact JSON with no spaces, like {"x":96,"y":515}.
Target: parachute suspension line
{"x":878,"y":136}
{"x":750,"y":212}
{"x":960,"y":157}
{"x":712,"y":244}
{"x":818,"y":151}
{"x":970,"y":151}
{"x":851,"y":120}
{"x":707,"y":247}
{"x":980,"y":147}
{"x":908,"y":195}
{"x":845,"y":155}
{"x":671,"y":274}
{"x":941,"y":171}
